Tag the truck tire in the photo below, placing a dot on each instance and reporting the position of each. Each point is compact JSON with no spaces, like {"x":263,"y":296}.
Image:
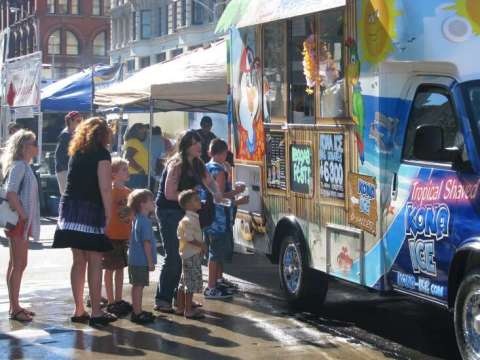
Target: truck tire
{"x":302,"y":285}
{"x":467,"y":316}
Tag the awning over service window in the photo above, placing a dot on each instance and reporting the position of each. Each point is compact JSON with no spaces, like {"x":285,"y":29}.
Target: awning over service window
{"x":243,"y":13}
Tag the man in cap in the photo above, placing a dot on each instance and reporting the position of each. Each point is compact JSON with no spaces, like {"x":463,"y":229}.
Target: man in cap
{"x":72,"y":120}
{"x":206,"y":135}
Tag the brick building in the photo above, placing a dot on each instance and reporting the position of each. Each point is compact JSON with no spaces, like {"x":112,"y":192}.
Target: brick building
{"x":72,"y":34}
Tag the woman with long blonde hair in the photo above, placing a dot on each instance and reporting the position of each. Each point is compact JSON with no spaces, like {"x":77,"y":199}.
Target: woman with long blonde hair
{"x":22,"y":195}
{"x":84,"y":213}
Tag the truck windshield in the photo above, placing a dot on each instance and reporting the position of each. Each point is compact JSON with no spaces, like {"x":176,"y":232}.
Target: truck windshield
{"x":471,"y":96}
{"x":471,"y":93}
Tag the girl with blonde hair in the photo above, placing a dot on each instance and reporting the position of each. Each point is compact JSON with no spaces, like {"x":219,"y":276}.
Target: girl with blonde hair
{"x":22,"y":195}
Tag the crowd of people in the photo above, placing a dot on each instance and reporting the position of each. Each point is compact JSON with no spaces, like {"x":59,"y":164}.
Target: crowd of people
{"x":106,"y":217}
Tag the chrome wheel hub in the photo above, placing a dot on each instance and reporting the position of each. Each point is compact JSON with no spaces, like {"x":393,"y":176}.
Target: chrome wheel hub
{"x":292,"y":269}
{"x":471,"y":321}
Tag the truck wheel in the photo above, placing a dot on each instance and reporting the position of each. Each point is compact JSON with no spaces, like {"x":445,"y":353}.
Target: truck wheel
{"x":467,"y":316}
{"x":302,"y":286}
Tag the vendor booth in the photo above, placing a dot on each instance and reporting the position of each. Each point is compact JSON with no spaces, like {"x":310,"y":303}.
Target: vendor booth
{"x":192,"y":82}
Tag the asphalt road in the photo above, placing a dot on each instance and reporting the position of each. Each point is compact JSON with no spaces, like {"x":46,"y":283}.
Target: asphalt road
{"x":352,"y":324}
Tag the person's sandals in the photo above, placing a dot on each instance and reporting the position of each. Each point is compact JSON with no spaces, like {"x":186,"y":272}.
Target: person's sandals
{"x":143,"y":318}
{"x":119,"y":308}
{"x":82,"y":319}
{"x":195,"y":315}
{"x":21,"y":315}
{"x":103,"y":320}
{"x":29,"y":312}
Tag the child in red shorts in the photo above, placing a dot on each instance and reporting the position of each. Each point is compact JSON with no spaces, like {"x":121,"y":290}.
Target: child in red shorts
{"x":118,"y":231}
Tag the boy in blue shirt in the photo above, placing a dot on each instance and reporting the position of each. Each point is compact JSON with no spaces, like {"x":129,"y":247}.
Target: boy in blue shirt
{"x":142,"y":255}
{"x":219,"y":232}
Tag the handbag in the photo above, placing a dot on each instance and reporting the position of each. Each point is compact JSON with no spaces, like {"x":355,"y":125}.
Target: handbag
{"x":8,"y":216}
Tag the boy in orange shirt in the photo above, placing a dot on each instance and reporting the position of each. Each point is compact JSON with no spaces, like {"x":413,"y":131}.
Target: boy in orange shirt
{"x":118,"y":231}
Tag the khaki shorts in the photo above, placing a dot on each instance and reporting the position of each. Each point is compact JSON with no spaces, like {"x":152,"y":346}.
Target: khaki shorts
{"x":138,"y":275}
{"x":116,"y":259}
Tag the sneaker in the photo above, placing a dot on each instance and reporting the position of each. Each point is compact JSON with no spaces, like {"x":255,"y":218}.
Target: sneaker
{"x":228,"y":283}
{"x":216,"y":293}
{"x":225,"y":288}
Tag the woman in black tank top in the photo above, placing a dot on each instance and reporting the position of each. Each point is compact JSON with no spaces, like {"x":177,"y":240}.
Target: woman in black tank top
{"x":185,"y":170}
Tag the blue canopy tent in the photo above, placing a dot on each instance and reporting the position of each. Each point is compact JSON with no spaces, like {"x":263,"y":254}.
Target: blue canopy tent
{"x":75,"y":93}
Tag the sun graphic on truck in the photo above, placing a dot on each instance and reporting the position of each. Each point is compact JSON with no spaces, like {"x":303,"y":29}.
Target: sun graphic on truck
{"x":377,"y":29}
{"x":470,"y":11}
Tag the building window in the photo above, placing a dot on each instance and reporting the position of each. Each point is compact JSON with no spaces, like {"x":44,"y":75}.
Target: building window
{"x":62,"y":7}
{"x":96,"y":7}
{"x":134,"y":25}
{"x":71,"y":47}
{"x":161,"y":57}
{"x":198,"y":13}
{"x":54,"y":43}
{"x":174,"y":16}
{"x":183,"y":18}
{"x":146,"y":24}
{"x":51,"y":6}
{"x":160,"y":22}
{"x":176,"y":52}
{"x":144,"y":62}
{"x":74,"y":7}
{"x":131,"y":65}
{"x":100,"y":44}
{"x":101,"y":7}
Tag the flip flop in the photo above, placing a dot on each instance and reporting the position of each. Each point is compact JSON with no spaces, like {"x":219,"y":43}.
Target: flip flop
{"x":31,"y":313}
{"x":82,"y":319}
{"x":21,"y":315}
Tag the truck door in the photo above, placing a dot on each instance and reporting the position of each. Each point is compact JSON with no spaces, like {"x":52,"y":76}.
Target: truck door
{"x":428,"y":186}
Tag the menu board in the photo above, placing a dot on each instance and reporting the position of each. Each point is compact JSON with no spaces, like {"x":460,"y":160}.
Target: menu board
{"x":301,"y":168}
{"x":363,"y":207}
{"x":276,"y":164}
{"x":331,"y":155}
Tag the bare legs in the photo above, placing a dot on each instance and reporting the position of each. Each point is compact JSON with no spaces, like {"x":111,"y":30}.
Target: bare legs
{"x":137,"y":294}
{"x":81,"y":259}
{"x":16,"y":267}
{"x":77,"y":279}
{"x":108,"y":278}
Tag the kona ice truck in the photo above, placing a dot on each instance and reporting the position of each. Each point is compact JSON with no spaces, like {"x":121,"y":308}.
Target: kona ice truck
{"x":356,"y":126}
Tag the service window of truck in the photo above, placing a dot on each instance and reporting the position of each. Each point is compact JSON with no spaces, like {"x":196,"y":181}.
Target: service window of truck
{"x":356,"y":127}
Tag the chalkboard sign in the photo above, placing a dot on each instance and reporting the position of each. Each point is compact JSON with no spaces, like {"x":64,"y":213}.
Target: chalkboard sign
{"x":331,"y":155}
{"x":276,"y":165}
{"x":301,"y":169}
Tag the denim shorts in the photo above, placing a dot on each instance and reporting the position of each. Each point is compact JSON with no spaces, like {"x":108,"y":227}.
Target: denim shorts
{"x":218,"y":245}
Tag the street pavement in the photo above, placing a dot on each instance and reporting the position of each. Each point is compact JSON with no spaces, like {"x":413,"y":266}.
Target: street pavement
{"x":256,"y":324}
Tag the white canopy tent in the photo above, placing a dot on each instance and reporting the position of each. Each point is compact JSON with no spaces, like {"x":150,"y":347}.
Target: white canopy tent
{"x":195,"y":81}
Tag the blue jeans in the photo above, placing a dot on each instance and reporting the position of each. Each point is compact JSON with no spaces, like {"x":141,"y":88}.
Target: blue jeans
{"x":172,"y":265}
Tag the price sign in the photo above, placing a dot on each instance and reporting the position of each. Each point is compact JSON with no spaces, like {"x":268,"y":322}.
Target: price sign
{"x":276,"y":166}
{"x":301,"y":168}
{"x":332,"y":160}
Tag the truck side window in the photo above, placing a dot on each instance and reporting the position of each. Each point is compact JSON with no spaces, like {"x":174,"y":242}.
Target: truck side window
{"x":432,"y":106}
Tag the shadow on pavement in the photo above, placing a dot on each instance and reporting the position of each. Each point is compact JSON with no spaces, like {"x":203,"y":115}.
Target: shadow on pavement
{"x":399,"y":326}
